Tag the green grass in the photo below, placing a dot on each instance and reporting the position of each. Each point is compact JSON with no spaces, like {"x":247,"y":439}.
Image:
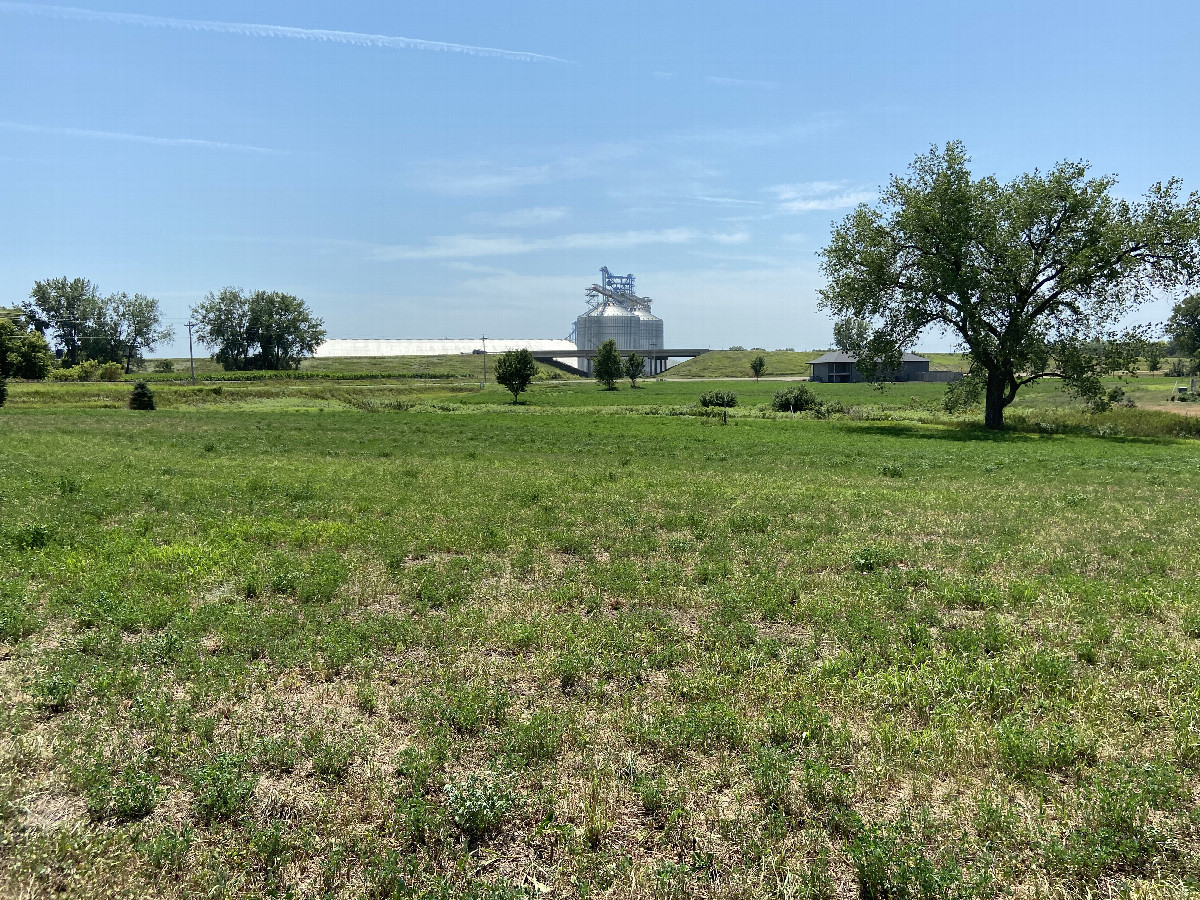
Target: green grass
{"x":399,"y":640}
{"x":461,"y":366}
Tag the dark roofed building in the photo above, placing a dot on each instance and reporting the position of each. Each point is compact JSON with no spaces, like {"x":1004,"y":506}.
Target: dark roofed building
{"x":842,"y":368}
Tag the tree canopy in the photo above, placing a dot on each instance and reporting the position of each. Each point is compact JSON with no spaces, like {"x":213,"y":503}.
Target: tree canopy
{"x":607,"y":367}
{"x":515,"y":369}
{"x":24,"y":353}
{"x":758,"y":365}
{"x":89,"y":325}
{"x":1031,"y":277}
{"x":261,"y":330}
{"x":1184,"y":325}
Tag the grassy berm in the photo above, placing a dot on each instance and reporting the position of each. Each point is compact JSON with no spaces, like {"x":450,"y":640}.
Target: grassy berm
{"x":557,"y":652}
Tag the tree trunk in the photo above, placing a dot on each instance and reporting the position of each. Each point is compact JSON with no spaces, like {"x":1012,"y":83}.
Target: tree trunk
{"x":995,"y":400}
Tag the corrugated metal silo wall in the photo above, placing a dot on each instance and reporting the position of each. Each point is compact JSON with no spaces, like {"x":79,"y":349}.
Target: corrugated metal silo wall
{"x":630,"y":332}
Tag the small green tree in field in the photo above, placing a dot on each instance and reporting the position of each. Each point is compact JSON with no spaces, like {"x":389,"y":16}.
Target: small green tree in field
{"x":758,"y":365}
{"x":515,"y":369}
{"x":635,"y":368}
{"x":142,"y":397}
{"x":607,"y":367}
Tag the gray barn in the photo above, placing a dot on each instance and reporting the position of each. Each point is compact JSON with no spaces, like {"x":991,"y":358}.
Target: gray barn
{"x":841,"y":368}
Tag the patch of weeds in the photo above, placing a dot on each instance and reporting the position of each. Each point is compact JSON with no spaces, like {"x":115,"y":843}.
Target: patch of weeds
{"x":989,"y":639}
{"x":477,"y":805}
{"x":468,"y":709}
{"x":658,"y":801}
{"x":829,"y":795}
{"x":874,"y":557}
{"x":1030,"y":753}
{"x":366,"y":697}
{"x":272,"y":847}
{"x":892,"y":863}
{"x":17,"y":620}
{"x":771,"y":771}
{"x":331,"y":760}
{"x":276,"y":754}
{"x":124,"y":795}
{"x":797,"y":724}
{"x":167,"y":849}
{"x":596,"y":823}
{"x":1118,"y":832}
{"x":706,"y":725}
{"x":54,"y":690}
{"x":537,"y":740}
{"x":30,"y":535}
{"x":891,"y":471}
{"x":222,"y":788}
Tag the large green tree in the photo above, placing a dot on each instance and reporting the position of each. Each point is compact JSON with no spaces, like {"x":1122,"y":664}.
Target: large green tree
{"x":1032,"y":277}
{"x":136,"y":327}
{"x":261,"y":330}
{"x":515,"y":369}
{"x":70,"y":308}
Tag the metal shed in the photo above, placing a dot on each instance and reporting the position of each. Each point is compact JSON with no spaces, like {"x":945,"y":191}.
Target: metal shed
{"x":842,"y":368}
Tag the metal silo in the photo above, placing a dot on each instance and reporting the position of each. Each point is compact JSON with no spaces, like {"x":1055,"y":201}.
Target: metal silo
{"x":617,"y":313}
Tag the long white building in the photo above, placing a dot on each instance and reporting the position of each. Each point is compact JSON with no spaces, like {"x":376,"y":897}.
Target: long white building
{"x":355,"y":347}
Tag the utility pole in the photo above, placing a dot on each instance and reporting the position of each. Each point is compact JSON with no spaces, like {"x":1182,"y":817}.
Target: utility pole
{"x":482,"y":380}
{"x":191,"y":358}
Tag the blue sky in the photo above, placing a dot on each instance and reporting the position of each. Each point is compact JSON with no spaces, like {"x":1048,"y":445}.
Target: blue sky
{"x":371,"y":158}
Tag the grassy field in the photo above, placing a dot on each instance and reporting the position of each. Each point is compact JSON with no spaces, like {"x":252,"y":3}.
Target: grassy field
{"x":394,"y":640}
{"x":736,"y":363}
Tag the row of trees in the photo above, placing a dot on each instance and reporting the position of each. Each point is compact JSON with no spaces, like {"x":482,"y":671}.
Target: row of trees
{"x":86,"y":324}
{"x":1033,"y":278}
{"x":516,"y":369}
{"x":258,"y":330}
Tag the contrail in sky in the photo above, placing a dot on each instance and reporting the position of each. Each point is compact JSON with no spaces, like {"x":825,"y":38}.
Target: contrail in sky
{"x":133,"y":138}
{"x":274,"y":31}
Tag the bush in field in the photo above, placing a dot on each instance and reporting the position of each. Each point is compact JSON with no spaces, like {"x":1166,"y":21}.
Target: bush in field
{"x":515,"y":369}
{"x":718,"y":399}
{"x":795,"y":399}
{"x":164,"y":366}
{"x":111,"y":371}
{"x":758,"y":365}
{"x":142,"y":397}
{"x":477,"y":805}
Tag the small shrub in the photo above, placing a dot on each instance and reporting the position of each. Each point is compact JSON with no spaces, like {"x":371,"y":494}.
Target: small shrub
{"x":89,"y":370}
{"x":797,"y":398}
{"x":891,"y":471}
{"x":142,"y":397}
{"x":54,"y":690}
{"x":656,"y":798}
{"x":718,"y":399}
{"x":111,"y":371}
{"x":477,"y":806}
{"x":222,"y":788}
{"x":164,"y":366}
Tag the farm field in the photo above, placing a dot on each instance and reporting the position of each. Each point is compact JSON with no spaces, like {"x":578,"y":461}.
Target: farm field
{"x":404,"y":640}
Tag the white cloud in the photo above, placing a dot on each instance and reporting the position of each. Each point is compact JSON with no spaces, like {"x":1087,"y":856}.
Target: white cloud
{"x":742,"y":82}
{"x":522,"y":218}
{"x":819,"y":195}
{"x":272,"y":31}
{"x":458,"y":246}
{"x":135,"y":138}
{"x":737,"y":237}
